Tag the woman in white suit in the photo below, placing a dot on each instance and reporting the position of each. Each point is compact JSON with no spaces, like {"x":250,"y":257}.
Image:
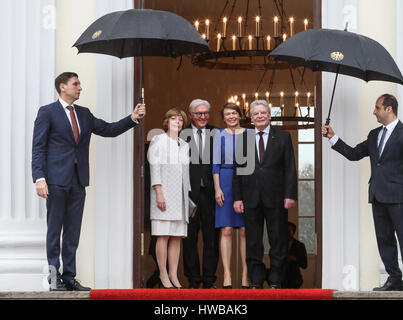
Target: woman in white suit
{"x":168,"y":156}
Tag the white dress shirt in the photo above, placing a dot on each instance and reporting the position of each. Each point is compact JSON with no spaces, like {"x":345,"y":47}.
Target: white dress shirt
{"x":196,"y":136}
{"x":65,"y":105}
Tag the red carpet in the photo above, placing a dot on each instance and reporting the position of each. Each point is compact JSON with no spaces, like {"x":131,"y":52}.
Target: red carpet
{"x":212,"y":294}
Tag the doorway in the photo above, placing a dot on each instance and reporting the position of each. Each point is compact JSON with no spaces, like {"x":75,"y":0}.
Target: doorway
{"x":167,"y":87}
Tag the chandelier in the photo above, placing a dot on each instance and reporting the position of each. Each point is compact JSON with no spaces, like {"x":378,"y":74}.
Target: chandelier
{"x":289,"y":111}
{"x":249,"y":36}
{"x":241,"y":38}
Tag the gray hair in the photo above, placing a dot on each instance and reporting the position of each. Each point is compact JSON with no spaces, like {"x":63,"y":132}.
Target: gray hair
{"x":259,"y":102}
{"x":197,"y":102}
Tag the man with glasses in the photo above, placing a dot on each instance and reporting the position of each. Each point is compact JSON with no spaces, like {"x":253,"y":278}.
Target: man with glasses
{"x":199,"y":135}
{"x":266,"y":194}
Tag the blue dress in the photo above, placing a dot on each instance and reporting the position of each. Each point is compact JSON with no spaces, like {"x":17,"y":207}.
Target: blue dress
{"x":223,"y":164}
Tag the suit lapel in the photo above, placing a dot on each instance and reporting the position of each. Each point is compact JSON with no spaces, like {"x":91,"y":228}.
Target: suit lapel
{"x":81,"y":122}
{"x":65,"y":120}
{"x":271,"y":140}
{"x":392,"y":138}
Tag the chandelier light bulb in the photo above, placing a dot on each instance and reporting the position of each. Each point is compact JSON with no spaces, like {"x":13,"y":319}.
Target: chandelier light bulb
{"x":305,"y":24}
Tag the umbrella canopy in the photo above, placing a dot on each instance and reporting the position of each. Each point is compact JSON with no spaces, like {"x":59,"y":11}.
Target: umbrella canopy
{"x":141,"y":32}
{"x":340,"y":52}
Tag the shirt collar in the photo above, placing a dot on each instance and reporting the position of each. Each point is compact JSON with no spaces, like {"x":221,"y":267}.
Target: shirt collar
{"x":65,"y":104}
{"x":196,"y":129}
{"x":392,"y":125}
{"x":265,"y":130}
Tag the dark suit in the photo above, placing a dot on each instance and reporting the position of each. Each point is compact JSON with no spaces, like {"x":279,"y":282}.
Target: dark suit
{"x":65,"y":166}
{"x":385,"y":191}
{"x":204,"y":216}
{"x":293,"y":276}
{"x":263,"y":193}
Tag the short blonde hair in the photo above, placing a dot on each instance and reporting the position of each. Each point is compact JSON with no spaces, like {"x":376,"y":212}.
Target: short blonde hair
{"x":173,"y":112}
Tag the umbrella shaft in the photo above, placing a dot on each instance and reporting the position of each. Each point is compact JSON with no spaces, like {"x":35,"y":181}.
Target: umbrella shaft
{"x":331,"y":101}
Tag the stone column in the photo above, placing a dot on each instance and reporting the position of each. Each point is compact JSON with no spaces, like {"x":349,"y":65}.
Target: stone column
{"x":28,"y":62}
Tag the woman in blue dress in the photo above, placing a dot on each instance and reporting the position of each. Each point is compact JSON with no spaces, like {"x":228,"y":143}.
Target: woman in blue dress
{"x":225,"y":216}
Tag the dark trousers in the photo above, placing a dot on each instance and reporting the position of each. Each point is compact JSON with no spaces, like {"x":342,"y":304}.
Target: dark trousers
{"x":388,"y":220}
{"x":64,"y":212}
{"x":276,"y":224}
{"x":204,"y":218}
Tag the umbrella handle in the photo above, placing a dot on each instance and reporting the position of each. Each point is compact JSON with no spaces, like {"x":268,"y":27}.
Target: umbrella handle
{"x":326,"y":123}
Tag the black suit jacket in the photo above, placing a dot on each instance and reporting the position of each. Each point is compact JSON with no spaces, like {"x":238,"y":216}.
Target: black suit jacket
{"x":197,"y":170}
{"x":386,"y":182}
{"x":274,"y":180}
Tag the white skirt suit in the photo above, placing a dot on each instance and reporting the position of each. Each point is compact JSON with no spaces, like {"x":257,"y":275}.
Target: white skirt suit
{"x":169,"y":167}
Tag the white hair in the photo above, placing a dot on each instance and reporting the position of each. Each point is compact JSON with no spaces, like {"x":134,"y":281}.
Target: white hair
{"x":259,"y":102}
{"x":197,"y":102}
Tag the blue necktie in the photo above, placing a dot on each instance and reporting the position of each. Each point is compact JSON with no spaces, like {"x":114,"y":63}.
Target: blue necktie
{"x":380,"y":146}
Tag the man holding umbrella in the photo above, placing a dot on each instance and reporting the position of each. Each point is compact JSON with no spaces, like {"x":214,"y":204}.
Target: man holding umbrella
{"x":60,"y":170}
{"x":384,"y":146}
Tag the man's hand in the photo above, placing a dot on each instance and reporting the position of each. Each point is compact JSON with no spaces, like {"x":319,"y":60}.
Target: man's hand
{"x":238,"y":206}
{"x":42,"y":189}
{"x":138,"y":112}
{"x":289,"y":203}
{"x":326,"y":129}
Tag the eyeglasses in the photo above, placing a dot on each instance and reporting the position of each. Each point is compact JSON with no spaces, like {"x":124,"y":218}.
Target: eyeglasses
{"x":199,"y":114}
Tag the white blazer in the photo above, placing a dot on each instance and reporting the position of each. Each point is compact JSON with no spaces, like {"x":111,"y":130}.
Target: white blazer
{"x":169,"y":167}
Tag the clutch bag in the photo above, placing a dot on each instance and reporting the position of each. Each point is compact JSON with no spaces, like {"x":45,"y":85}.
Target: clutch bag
{"x":192,"y":208}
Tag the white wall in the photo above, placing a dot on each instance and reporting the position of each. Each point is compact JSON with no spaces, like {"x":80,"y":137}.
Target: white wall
{"x":74,"y":16}
{"x":340,"y":177}
{"x":104,"y":256}
{"x":114,"y":167}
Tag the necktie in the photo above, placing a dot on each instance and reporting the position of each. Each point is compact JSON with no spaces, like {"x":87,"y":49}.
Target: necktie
{"x":199,"y":132}
{"x":381,"y":142}
{"x":74,"y":123}
{"x":261,"y":147}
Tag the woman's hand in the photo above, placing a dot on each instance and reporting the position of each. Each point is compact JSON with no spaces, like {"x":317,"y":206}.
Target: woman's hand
{"x":219,"y":197}
{"x":160,"y":199}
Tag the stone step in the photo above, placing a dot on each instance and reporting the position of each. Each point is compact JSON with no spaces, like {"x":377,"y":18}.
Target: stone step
{"x":44,"y":295}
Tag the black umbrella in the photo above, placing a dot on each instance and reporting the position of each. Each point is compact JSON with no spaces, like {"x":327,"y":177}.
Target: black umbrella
{"x":339,"y":52}
{"x":141,"y":32}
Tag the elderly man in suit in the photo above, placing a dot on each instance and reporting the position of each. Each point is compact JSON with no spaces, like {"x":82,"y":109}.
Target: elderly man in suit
{"x":384,"y":146}
{"x":266,"y":194}
{"x":199,"y":134}
{"x":60,"y":170}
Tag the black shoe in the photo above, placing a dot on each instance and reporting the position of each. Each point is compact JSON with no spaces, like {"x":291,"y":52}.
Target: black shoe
{"x":74,"y":285}
{"x":153,"y":280}
{"x":227,"y":287}
{"x":390,"y":285}
{"x":161,"y":285}
{"x":256,"y":286}
{"x":245,"y":287}
{"x":209,"y":286}
{"x":60,"y":286}
{"x":194,"y":285}
{"x":275,"y":286}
